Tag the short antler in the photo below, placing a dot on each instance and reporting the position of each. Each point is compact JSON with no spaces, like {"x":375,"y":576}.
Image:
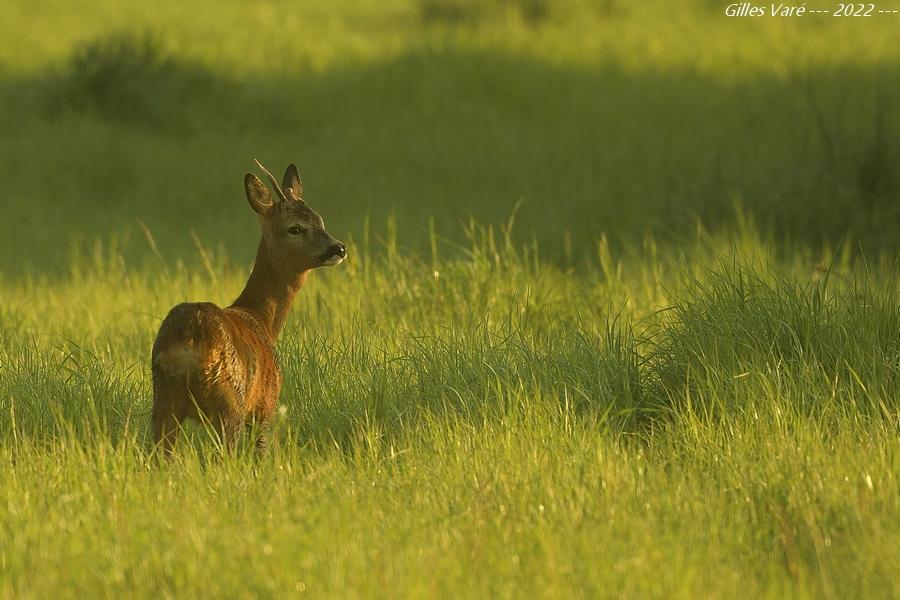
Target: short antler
{"x":273,"y":181}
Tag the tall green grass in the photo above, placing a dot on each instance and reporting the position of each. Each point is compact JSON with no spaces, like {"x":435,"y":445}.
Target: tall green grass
{"x":621,"y":314}
{"x":491,"y":425}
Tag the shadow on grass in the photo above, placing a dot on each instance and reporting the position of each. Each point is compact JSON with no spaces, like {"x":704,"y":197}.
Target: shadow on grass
{"x":125,"y":131}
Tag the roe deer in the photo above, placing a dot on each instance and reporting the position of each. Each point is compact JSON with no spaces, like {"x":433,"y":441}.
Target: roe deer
{"x":218,"y":364}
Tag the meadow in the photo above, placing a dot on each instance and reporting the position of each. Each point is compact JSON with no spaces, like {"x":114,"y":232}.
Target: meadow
{"x":620,"y":317}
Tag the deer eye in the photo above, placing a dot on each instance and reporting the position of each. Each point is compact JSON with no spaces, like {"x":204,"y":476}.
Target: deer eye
{"x":295,"y":230}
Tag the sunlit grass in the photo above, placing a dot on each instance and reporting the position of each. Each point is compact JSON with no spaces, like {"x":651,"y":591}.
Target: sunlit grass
{"x":620,"y":315}
{"x":483,"y":425}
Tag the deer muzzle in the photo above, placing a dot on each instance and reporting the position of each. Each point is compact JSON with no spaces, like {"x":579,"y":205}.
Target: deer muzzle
{"x":335,"y":254}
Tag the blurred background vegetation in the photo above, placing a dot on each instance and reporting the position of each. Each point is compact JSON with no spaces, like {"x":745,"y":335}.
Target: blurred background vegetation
{"x":629,"y":120}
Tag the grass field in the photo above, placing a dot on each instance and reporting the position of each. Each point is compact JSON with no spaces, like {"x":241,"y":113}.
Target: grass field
{"x":621,"y":315}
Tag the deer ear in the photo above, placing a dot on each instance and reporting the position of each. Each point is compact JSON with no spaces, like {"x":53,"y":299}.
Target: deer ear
{"x":291,"y":182}
{"x":257,"y":194}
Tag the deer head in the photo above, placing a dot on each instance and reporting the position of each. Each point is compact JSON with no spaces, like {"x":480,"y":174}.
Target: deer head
{"x":293,"y":234}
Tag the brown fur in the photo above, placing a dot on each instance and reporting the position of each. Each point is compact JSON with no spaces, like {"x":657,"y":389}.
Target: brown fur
{"x":218,"y":365}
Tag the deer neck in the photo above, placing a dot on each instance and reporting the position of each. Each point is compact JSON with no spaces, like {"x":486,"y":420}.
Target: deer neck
{"x":269,"y":292}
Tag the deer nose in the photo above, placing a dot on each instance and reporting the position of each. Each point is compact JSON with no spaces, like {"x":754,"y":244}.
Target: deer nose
{"x":335,"y":254}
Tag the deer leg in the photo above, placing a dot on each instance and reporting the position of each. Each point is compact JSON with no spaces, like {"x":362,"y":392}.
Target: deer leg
{"x":230,"y":430}
{"x":262,"y":436}
{"x":261,"y":426}
{"x":218,"y":409}
{"x":228,"y":425}
{"x":166,"y":424}
{"x":168,"y":411}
